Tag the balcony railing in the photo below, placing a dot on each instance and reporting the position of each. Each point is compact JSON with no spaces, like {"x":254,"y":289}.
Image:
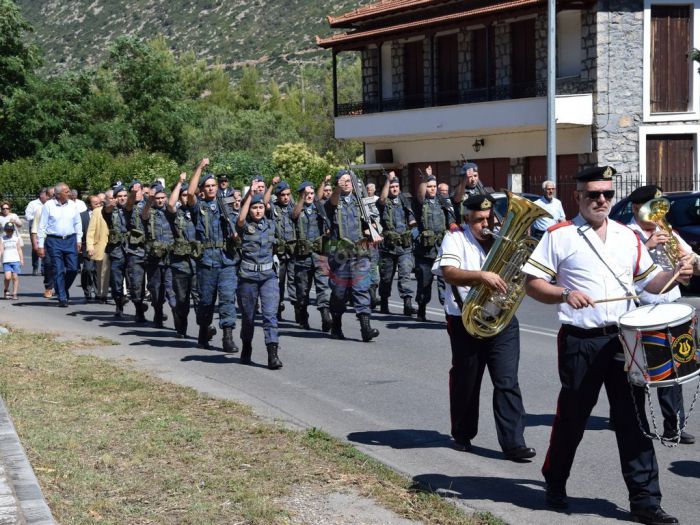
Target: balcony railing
{"x":565,"y":86}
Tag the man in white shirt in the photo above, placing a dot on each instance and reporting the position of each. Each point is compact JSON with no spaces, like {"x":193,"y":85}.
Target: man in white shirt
{"x":29,"y":213}
{"x":552,"y":205}
{"x":461,"y":257}
{"x":593,"y":258}
{"x":59,"y":237}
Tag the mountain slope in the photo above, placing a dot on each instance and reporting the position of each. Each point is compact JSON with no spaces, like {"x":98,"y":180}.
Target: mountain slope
{"x":277,"y":35}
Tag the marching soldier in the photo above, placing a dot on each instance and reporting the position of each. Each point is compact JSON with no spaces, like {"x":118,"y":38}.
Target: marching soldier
{"x":257,"y":278}
{"x":281,"y":212}
{"x":395,"y":250}
{"x":217,"y":269}
{"x":136,"y":249}
{"x":310,"y":225}
{"x":159,"y":242}
{"x":348,"y":258}
{"x":115,"y":217}
{"x":433,"y":218}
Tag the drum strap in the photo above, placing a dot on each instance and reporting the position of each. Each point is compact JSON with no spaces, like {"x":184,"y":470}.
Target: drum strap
{"x":624,"y":286}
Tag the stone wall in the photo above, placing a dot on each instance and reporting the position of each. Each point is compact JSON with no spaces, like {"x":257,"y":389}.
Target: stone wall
{"x":397,"y":69}
{"x":370,"y":74}
{"x":502,"y":53}
{"x":541,"y":47}
{"x":464,"y":59}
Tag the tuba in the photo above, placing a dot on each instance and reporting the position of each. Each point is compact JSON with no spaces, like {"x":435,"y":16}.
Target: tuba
{"x":485,"y":312}
{"x":655,"y":211}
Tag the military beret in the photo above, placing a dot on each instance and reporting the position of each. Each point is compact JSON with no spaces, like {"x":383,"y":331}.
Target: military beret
{"x":595,"y":173}
{"x":117,"y":188}
{"x":469,"y":166}
{"x":281,"y":186}
{"x":222,"y":177}
{"x":184,"y":186}
{"x":134,"y":183}
{"x":258,"y":178}
{"x":478,"y":203}
{"x":256,"y":199}
{"x":645,"y":194}
{"x":205,"y":178}
{"x":304,"y":185}
{"x":340,"y":173}
{"x":157,"y":188}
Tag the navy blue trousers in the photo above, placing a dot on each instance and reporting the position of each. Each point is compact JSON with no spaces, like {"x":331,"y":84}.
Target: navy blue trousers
{"x":218,"y":282}
{"x":63,"y":254}
{"x":248,"y":293}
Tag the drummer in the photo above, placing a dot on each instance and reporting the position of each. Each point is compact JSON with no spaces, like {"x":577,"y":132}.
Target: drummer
{"x":655,"y":239}
{"x":593,"y":258}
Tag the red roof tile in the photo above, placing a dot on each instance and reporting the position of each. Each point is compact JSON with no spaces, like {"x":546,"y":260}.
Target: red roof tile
{"x":382,"y":7}
{"x":355,"y":36}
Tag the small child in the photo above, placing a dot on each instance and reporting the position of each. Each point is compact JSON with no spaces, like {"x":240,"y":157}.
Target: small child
{"x":12,"y":258}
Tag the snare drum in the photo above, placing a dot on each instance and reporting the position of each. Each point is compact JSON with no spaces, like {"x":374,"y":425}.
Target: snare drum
{"x":660,"y":345}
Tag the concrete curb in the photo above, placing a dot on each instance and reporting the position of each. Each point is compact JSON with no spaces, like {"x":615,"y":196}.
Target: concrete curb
{"x":21,"y":500}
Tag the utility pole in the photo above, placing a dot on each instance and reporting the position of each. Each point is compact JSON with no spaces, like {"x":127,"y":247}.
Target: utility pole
{"x":551,"y":90}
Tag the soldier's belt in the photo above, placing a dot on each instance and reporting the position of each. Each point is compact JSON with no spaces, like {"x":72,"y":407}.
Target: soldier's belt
{"x":256,"y":267}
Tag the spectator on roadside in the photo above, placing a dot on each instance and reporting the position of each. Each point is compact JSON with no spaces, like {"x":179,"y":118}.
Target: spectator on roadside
{"x":29,"y":213}
{"x":47,"y":267}
{"x":6,"y":215}
{"x":96,"y":242}
{"x":79,"y":203}
{"x":12,"y":258}
{"x":88,"y":272}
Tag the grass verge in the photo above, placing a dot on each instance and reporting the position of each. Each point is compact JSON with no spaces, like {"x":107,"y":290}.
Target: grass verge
{"x":112,"y":445}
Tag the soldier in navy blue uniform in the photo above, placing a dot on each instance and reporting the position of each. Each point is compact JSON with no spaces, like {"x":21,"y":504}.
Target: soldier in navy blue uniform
{"x":281,"y":214}
{"x":257,"y":278}
{"x":433,"y":217}
{"x":113,"y":213}
{"x":396,"y":249}
{"x":348,"y":258}
{"x":159,"y":243}
{"x":217,"y":268}
{"x":136,"y":249}
{"x":224,"y":189}
{"x":311,"y":225}
{"x":186,"y":248}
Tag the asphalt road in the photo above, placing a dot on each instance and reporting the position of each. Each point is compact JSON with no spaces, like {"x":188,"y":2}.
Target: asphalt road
{"x":389,"y":398}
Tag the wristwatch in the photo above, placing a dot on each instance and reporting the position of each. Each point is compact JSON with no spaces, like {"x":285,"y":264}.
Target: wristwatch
{"x":565,"y":294}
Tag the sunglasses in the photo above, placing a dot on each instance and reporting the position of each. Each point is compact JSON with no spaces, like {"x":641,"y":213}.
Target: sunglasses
{"x":5,"y":208}
{"x":595,"y":195}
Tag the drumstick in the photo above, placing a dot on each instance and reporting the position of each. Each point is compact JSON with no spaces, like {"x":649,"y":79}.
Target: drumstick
{"x":623,"y":298}
{"x":670,"y":282}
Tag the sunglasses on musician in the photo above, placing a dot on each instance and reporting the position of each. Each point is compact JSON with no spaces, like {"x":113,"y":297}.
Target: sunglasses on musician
{"x":595,"y":195}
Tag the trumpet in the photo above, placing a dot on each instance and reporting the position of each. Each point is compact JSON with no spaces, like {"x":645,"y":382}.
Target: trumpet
{"x":655,"y":211}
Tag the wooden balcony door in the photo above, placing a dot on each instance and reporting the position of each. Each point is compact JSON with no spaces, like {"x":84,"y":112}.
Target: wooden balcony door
{"x":671,"y":161}
{"x":413,"y":80}
{"x":522,"y":58}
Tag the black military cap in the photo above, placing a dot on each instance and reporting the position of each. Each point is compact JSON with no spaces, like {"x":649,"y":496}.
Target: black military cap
{"x":222,"y":177}
{"x":595,"y":173}
{"x":478,"y":203}
{"x":468,"y":166}
{"x":645,"y":194}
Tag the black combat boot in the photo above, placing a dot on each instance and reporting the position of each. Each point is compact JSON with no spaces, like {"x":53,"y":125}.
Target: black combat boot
{"x":297,"y":314}
{"x":337,"y":327}
{"x":247,"y":353}
{"x":408,"y":308}
{"x":273,"y":362}
{"x":421,"y":313}
{"x":228,"y":342}
{"x":368,"y":333}
{"x":140,"y":311}
{"x":326,"y":321}
{"x":373,"y":296}
{"x":303,"y":317}
{"x":280,"y":309}
{"x":119,"y":311}
{"x":203,"y":339}
{"x":384,"y":306}
{"x":157,"y":317}
{"x":211,"y":332}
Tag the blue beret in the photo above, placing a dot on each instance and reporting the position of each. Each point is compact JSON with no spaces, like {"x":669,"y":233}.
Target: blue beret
{"x":205,"y":178}
{"x":157,"y":188}
{"x":595,"y":173}
{"x":469,"y":166}
{"x":304,"y":185}
{"x":340,"y":173}
{"x":184,"y":186}
{"x":431,"y":179}
{"x":257,"y":198}
{"x":258,"y":178}
{"x":117,"y":188}
{"x":281,"y":187}
{"x":134,"y":183}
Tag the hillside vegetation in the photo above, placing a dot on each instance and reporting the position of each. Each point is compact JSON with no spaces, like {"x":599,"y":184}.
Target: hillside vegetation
{"x":276,"y":35}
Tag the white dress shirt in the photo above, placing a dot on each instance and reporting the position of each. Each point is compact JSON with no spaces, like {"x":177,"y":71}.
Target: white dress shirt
{"x":59,"y":219}
{"x":31,"y":208}
{"x":565,"y":253}
{"x":554,"y":208}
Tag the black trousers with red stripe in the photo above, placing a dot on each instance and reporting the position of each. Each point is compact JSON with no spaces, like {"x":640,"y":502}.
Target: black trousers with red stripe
{"x":585,"y":365}
{"x":470,"y":357}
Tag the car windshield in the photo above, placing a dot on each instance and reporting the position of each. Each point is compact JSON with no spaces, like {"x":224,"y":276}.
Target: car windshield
{"x":684,"y":211}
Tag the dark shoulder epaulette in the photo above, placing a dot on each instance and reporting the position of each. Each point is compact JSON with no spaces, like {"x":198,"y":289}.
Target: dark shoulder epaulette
{"x":559,"y":225}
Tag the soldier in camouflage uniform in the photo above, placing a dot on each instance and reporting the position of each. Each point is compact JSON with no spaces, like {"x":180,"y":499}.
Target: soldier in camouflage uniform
{"x":257,"y":278}
{"x":114,"y":215}
{"x":311,"y":224}
{"x":217,"y":273}
{"x":396,"y":248}
{"x":433,"y":216}
{"x":281,"y":214}
{"x":348,"y":258}
{"x":136,"y":249}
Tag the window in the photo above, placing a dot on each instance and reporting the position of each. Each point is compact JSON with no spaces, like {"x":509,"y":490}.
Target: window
{"x":413,"y":87}
{"x":670,"y":58}
{"x":568,"y":44}
{"x":522,"y":58}
{"x":482,"y":61}
{"x":446,"y":57}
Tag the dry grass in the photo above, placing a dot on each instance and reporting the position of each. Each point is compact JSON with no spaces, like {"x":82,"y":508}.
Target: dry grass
{"x":111,"y":445}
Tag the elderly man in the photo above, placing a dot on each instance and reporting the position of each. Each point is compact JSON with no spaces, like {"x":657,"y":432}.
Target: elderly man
{"x":96,"y":241}
{"x":88,"y":272}
{"x":552,"y":205}
{"x":59,"y":238}
{"x":593,"y":258}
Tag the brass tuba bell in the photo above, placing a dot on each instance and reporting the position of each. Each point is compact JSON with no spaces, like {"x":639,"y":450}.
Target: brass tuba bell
{"x":655,"y":211}
{"x":485,"y":312}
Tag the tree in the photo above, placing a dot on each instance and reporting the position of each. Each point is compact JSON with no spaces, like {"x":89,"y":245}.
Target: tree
{"x":295,"y":163}
{"x":18,"y":57}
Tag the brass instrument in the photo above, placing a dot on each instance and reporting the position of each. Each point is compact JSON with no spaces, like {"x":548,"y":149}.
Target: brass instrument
{"x":655,"y":211}
{"x":485,"y":312}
